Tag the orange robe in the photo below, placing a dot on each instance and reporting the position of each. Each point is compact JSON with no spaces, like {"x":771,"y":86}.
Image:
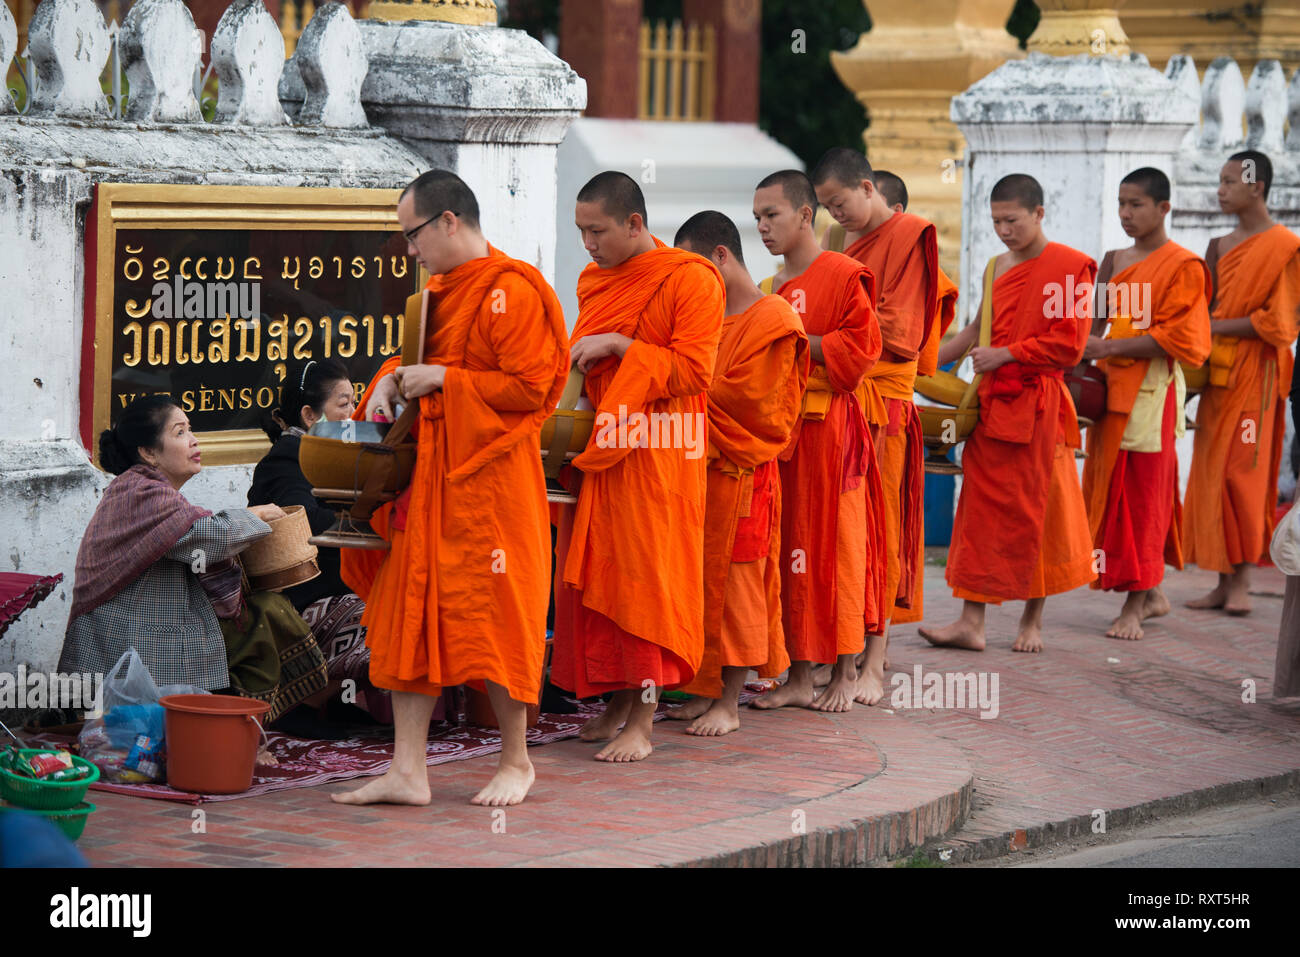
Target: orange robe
{"x":1134,"y":511}
{"x":461,"y":597}
{"x":1021,"y":528}
{"x":630,"y":606}
{"x":1232,"y":483}
{"x":753,"y":405}
{"x":903,"y":256}
{"x":927,"y":363}
{"x":832,"y":529}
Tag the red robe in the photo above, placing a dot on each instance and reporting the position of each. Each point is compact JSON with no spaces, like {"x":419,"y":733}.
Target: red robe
{"x":1021,"y":528}
{"x":832,"y":528}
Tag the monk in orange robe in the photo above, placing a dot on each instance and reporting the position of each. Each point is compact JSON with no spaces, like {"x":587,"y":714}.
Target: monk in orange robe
{"x":1232,"y":483}
{"x":630,"y":609}
{"x":902,"y":253}
{"x":1156,"y":295}
{"x":832,"y":527}
{"x":753,"y":404}
{"x":1021,"y":529}
{"x":461,"y":596}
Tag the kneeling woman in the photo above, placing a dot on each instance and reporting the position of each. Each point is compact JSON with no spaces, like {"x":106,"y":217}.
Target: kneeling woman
{"x":319,"y":390}
{"x":154,"y":572}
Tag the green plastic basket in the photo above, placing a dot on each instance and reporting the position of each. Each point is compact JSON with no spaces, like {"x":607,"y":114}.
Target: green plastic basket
{"x":71,"y":821}
{"x":33,"y":795}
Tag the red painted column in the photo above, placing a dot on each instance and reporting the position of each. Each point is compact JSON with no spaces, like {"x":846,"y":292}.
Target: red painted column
{"x":600,"y":39}
{"x":736,"y":26}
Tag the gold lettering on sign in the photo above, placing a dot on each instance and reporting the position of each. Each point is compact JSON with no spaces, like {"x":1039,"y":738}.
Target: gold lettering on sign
{"x":315,"y":266}
{"x":245,"y":398}
{"x":181,"y":268}
{"x":162,"y":268}
{"x":181,"y":357}
{"x":133,"y":263}
{"x":196,"y":350}
{"x":225,"y":400}
{"x":157,"y":357}
{"x":137,"y":311}
{"x":387,"y":348}
{"x":347,"y":337}
{"x":244,"y":325}
{"x":198,"y":268}
{"x":225,"y":275}
{"x":265,"y":403}
{"x":219,"y":351}
{"x":379,"y":267}
{"x":257,"y":264}
{"x":281,"y":370}
{"x":327,"y":324}
{"x":358,"y":267}
{"x":402,"y":260}
{"x":187,"y":400}
{"x":302,"y":329}
{"x":338,"y":262}
{"x":132,"y":358}
{"x":369,"y":323}
{"x":205,"y":399}
{"x":277,"y":339}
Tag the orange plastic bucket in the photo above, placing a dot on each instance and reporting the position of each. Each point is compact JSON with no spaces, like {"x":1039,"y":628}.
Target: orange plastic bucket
{"x":212,"y":741}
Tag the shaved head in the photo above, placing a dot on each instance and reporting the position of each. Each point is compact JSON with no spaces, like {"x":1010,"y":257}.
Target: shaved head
{"x":892,"y":187}
{"x":618,"y":195}
{"x":796,"y":187}
{"x":440,"y":190}
{"x":1151,"y":181}
{"x":1019,"y":188}
{"x":847,"y":167}
{"x":1260,"y":166}
{"x":706,"y":231}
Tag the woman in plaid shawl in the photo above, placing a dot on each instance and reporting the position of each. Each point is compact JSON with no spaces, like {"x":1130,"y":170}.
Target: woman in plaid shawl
{"x":145,"y":572}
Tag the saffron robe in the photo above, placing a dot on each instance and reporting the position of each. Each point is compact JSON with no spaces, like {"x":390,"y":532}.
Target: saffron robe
{"x":1021,"y":528}
{"x":1232,"y":484}
{"x":1134,"y":510}
{"x":629,"y":602}
{"x":753,"y":404}
{"x":461,"y":597}
{"x":831,"y":519}
{"x":903,"y":256}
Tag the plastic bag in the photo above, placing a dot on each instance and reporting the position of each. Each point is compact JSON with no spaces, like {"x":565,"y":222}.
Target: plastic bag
{"x":124,"y":737}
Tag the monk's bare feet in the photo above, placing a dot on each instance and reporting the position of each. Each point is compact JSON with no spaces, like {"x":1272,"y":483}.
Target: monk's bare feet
{"x":792,"y":694}
{"x":690,"y":710}
{"x":508,"y":786}
{"x":837,"y":696}
{"x":389,"y":788}
{"x":1236,"y":599}
{"x":1156,"y":604}
{"x":821,"y":675}
{"x":1127,"y":626}
{"x":870,"y":688}
{"x":1029,"y":639}
{"x":720,"y":719}
{"x":960,"y":634}
{"x":606,"y":724}
{"x":632,"y":744}
{"x":1210,"y":600}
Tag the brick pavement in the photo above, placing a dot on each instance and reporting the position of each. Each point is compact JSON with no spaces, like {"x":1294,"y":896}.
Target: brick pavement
{"x":1162,"y":728}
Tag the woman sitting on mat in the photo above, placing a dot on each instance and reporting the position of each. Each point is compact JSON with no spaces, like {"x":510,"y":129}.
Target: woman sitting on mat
{"x":319,"y":390}
{"x":157,"y":572}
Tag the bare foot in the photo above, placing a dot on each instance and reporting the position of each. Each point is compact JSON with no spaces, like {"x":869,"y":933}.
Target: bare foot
{"x":508,"y":786}
{"x":789,"y":695}
{"x":632,"y":744}
{"x":1029,"y":639}
{"x":389,"y":788}
{"x":870,"y":688}
{"x":960,"y":634}
{"x":606,"y":724}
{"x":690,"y":710}
{"x":821,"y":675}
{"x":1156,"y":605}
{"x":1128,"y":626}
{"x":837,"y":696}
{"x":1236,"y":600}
{"x":718,"y":720}
{"x":1213,"y":599}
